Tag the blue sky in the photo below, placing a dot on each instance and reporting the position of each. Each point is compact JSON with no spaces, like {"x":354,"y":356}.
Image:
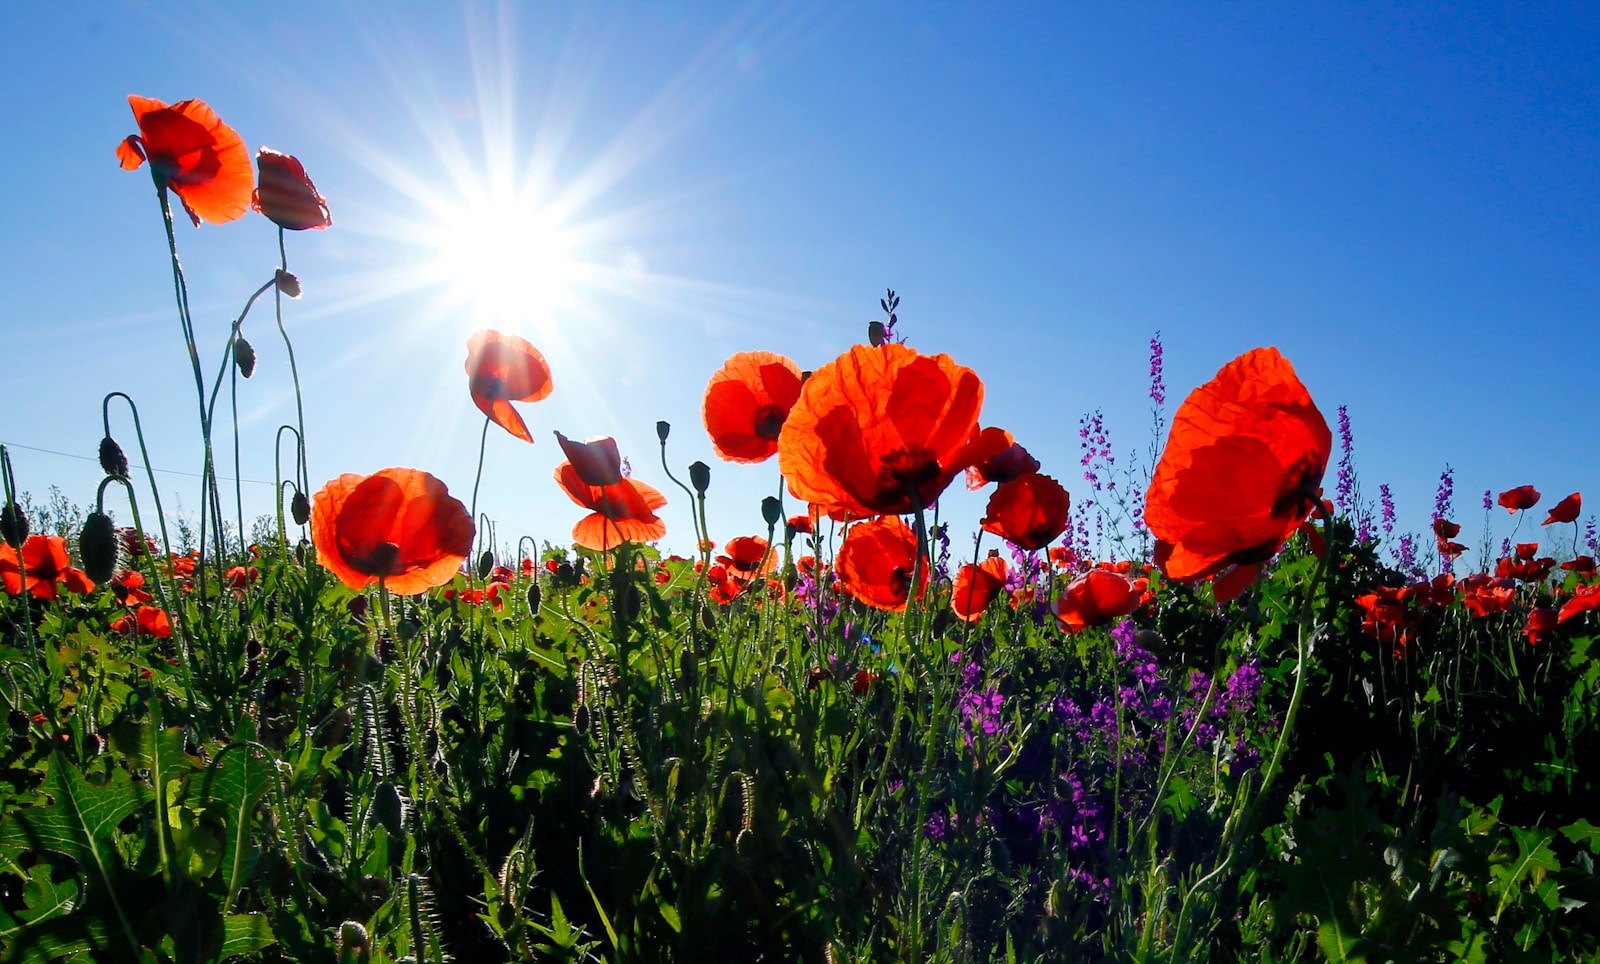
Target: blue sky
{"x":1402,"y":198}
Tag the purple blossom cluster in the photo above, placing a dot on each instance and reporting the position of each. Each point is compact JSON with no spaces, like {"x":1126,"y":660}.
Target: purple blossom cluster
{"x":1158,"y":387}
{"x":1386,"y":511}
{"x":1095,"y":442}
{"x":1344,"y":490}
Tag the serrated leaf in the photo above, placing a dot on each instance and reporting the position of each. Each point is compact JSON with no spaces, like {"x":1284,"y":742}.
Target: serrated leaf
{"x":235,"y":784}
{"x":80,"y":823}
{"x":1583,"y":832}
{"x":1339,"y":946}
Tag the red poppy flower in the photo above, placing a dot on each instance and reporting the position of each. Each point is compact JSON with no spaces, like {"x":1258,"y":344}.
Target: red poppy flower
{"x":502,"y":369}
{"x":747,"y":557}
{"x":1520,"y":498}
{"x":623,"y":511}
{"x":128,"y":586}
{"x":1566,"y":510}
{"x":880,"y":430}
{"x":1582,"y":565}
{"x":1095,"y":598}
{"x":976,"y":586}
{"x":1028,"y":512}
{"x":996,"y":457}
{"x":286,"y":195}
{"x":862,"y":682}
{"x":746,"y":404}
{"x":596,"y":460}
{"x":800,"y":525}
{"x":875,"y":562}
{"x":400,"y":525}
{"x":46,"y":562}
{"x":1483,"y":595}
{"x":1541,"y":625}
{"x":1584,"y":599}
{"x":1241,"y":470}
{"x":1445,"y":529}
{"x":193,"y":152}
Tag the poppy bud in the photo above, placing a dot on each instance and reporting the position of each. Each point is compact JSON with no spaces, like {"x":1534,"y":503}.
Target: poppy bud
{"x":244,"y":356}
{"x":112,"y":461}
{"x":13,"y":525}
{"x":352,"y":936}
{"x":407,"y":628}
{"x":700,"y":477}
{"x":97,"y":545}
{"x":287,"y":283}
{"x":771,"y":511}
{"x":300,"y":508}
{"x":485,"y":564}
{"x":662,"y":430}
{"x":629,"y":601}
{"x":390,"y":809}
{"x":535,"y":596}
{"x":875,"y":333}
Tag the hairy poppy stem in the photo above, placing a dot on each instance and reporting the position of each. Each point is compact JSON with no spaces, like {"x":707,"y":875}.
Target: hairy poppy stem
{"x":10,"y":483}
{"x":294,"y":373}
{"x":144,"y":453}
{"x":279,"y":480}
{"x":483,"y":444}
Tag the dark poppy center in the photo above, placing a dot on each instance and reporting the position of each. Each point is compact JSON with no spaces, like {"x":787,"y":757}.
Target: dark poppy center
{"x":910,"y":468}
{"x":769,"y":422}
{"x":380,"y":561}
{"x":900,"y":582}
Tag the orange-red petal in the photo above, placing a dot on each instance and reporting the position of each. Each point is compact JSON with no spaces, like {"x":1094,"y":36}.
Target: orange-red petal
{"x":746,"y":403}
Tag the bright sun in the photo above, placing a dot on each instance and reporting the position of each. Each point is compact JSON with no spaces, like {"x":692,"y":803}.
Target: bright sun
{"x":506,"y":259}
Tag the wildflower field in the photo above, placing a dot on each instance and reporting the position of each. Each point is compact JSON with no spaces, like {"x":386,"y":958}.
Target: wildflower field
{"x":1224,"y":707}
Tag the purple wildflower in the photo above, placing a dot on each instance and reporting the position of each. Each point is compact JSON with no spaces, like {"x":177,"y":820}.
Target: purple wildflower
{"x":1158,"y":387}
{"x":1345,"y":489}
{"x":1386,"y":501}
{"x":1242,"y":688}
{"x":1488,"y":500}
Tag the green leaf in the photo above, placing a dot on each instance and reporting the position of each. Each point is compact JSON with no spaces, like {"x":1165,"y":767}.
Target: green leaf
{"x":1583,"y":832}
{"x":1338,"y":945}
{"x":80,"y":822}
{"x":235,"y":784}
{"x":245,"y":934}
{"x":1534,"y":859}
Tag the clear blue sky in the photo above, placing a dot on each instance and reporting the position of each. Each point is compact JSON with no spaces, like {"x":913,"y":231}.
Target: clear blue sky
{"x":1403,"y":198}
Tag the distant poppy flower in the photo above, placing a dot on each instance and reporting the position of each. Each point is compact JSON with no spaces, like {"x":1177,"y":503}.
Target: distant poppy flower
{"x":747,"y":557}
{"x":1241,"y":470}
{"x":1566,"y":510}
{"x":399,"y":525}
{"x":286,"y":195}
{"x":622,"y":511}
{"x":128,"y":587}
{"x":880,"y":430}
{"x":875,"y":562}
{"x":597,"y":460}
{"x":862,"y":682}
{"x":996,"y":457}
{"x":502,"y":369}
{"x":1582,"y":565}
{"x":800,"y":525}
{"x":1028,"y":512}
{"x":193,"y":152}
{"x":1541,"y":625}
{"x":746,"y":404}
{"x":46,"y":563}
{"x":1520,"y":498}
{"x":1483,"y":595}
{"x":1584,"y":599}
{"x":1095,"y":598}
{"x":976,"y":586}
{"x":1445,"y":529}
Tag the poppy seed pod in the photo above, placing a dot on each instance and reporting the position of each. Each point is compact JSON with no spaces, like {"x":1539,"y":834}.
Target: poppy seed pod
{"x":663,"y":429}
{"x":390,"y":809}
{"x":97,"y":545}
{"x":352,"y":935}
{"x":287,"y":283}
{"x":244,"y":356}
{"x":485,"y":564}
{"x":13,"y":525}
{"x":700,"y":477}
{"x":300,"y":508}
{"x":535,"y":597}
{"x":771,"y":511}
{"x":112,"y":461}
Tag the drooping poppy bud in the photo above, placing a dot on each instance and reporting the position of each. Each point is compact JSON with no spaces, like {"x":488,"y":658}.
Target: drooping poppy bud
{"x":244,"y":356}
{"x":663,"y":429}
{"x":97,"y":545}
{"x":287,"y":283}
{"x":771,"y":511}
{"x":485,"y":564}
{"x":13,"y":525}
{"x":700,"y":477}
{"x":112,"y":461}
{"x":390,"y":809}
{"x":300,"y":508}
{"x":535,"y":597}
